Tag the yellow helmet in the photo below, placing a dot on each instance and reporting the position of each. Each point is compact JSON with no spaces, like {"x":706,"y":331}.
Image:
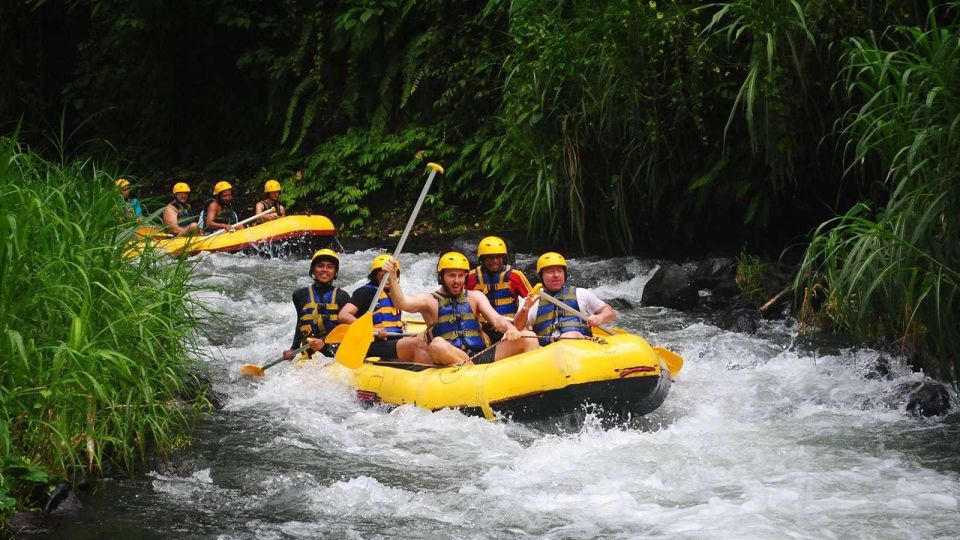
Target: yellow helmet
{"x":181,"y":187}
{"x":550,"y":258}
{"x":325,"y":254}
{"x":122,"y":182}
{"x":220,"y":186}
{"x":271,"y":186}
{"x":380,"y":260}
{"x":453,"y":261}
{"x":491,"y":245}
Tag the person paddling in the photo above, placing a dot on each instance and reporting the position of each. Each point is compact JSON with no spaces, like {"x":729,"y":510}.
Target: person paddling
{"x":319,"y":304}
{"x":271,"y":190}
{"x":386,"y":319}
{"x":451,"y":314}
{"x":178,"y":217}
{"x":549,"y":321}
{"x":503,"y":285}
{"x":217,"y":213}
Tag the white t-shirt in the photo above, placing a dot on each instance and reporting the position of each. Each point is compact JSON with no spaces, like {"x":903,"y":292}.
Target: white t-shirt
{"x":589,"y":303}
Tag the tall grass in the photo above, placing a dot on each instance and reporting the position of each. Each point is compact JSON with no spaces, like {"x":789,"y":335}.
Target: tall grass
{"x":894,"y":269}
{"x":93,"y":346}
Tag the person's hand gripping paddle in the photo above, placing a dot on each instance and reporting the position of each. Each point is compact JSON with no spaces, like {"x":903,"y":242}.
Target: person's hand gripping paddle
{"x":353,"y":349}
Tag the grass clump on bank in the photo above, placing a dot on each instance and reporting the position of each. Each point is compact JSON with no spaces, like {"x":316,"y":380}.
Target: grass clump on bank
{"x":93,"y":346}
{"x":893,"y":269}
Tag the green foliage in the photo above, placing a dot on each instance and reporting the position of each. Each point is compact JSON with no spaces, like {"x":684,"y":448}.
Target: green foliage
{"x":896,"y":270}
{"x":754,"y":277}
{"x":93,"y":345}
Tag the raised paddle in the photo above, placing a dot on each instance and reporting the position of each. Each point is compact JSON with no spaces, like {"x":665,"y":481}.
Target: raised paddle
{"x":250,"y":370}
{"x":353,"y":349}
{"x":673,"y":360}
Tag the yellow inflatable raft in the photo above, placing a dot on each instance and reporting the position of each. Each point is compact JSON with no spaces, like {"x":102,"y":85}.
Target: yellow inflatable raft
{"x":620,"y":376}
{"x":282,"y":236}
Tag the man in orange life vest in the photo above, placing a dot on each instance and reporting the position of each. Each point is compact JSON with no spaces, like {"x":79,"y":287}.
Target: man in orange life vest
{"x":502,"y":284}
{"x":451,"y":314}
{"x":389,"y":342}
{"x":550,"y":322}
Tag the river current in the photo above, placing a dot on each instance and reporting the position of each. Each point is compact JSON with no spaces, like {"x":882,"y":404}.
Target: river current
{"x":765,"y":436}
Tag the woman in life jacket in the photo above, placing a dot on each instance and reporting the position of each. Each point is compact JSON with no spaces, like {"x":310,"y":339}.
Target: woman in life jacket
{"x":387,"y":322}
{"x":271,"y":191}
{"x":178,"y":217}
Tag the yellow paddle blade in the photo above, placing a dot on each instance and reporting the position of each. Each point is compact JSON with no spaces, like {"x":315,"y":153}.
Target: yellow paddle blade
{"x":336,"y":335}
{"x":250,"y":370}
{"x":353,"y":349}
{"x":673,"y":361}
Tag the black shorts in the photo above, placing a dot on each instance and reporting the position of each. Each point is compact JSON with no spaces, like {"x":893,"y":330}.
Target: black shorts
{"x":386,"y":350}
{"x":485,"y":357}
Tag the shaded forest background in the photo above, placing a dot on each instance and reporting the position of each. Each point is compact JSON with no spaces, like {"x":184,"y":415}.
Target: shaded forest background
{"x":613,"y":127}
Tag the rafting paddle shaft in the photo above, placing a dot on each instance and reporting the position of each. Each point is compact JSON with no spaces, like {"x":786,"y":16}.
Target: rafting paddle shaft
{"x":673,"y":360}
{"x":250,"y":370}
{"x":340,"y":331}
{"x":353,"y":349}
{"x":244,"y":222}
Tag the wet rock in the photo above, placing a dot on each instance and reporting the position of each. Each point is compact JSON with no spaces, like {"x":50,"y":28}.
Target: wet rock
{"x":709,"y":273}
{"x":620,"y":304}
{"x":671,"y":286}
{"x":926,"y":398}
{"x":63,"y":501}
{"x":879,"y":368}
{"x":739,"y":318}
{"x":467,"y":244}
{"x":23,"y":523}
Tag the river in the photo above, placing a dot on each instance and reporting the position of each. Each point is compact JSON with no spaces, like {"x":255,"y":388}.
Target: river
{"x":765,"y":436}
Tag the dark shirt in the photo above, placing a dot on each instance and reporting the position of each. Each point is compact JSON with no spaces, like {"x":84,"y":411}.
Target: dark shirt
{"x":362,"y":298}
{"x":300,"y":299}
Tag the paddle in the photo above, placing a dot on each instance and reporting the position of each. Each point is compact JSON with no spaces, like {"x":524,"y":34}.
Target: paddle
{"x":244,"y":222}
{"x":251,"y":370}
{"x":673,"y":360}
{"x":340,"y":331}
{"x":353,"y":348}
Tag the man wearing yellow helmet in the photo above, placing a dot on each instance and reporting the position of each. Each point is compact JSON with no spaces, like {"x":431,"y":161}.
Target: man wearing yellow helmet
{"x":549,"y":321}
{"x":386,"y":319}
{"x":131,"y":206}
{"x":319,"y":304}
{"x":502,"y":284}
{"x":217,"y":213}
{"x":451,"y":314}
{"x":271,"y":190}
{"x":178,"y":217}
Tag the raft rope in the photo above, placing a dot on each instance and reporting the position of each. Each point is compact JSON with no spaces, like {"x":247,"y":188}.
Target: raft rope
{"x":596,"y":339}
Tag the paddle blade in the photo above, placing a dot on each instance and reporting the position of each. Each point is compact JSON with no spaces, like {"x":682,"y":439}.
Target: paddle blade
{"x":673,"y":361}
{"x":250,"y":370}
{"x":353,"y":349}
{"x":336,"y":335}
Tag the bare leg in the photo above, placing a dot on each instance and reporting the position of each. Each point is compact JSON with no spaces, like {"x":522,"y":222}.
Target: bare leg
{"x":573,"y":334}
{"x":445,"y":354}
{"x":522,"y":344}
{"x":413,"y":348}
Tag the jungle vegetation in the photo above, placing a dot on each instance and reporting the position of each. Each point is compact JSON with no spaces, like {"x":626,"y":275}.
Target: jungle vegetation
{"x":830,"y":126}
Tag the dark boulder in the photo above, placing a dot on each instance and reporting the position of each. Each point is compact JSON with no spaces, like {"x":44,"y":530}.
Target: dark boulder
{"x":926,"y":398}
{"x":63,"y":501}
{"x":739,"y":318}
{"x":23,"y":523}
{"x":671,"y":286}
{"x":709,"y":273}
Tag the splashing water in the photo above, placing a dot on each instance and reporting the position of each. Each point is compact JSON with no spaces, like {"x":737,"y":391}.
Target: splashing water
{"x":763,"y":436}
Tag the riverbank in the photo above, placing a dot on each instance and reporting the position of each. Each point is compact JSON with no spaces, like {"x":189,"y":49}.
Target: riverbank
{"x":96,"y":351}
